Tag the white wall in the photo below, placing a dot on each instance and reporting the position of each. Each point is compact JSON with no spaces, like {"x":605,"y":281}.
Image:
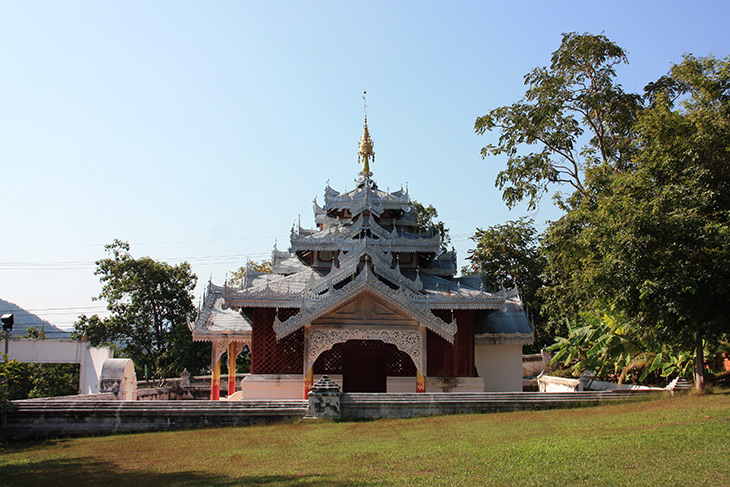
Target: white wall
{"x":273,"y":386}
{"x":500,"y":366}
{"x":91,"y":359}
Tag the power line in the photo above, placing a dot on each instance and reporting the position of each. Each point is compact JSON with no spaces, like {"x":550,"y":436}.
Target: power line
{"x":80,"y":265}
{"x":171,"y":242}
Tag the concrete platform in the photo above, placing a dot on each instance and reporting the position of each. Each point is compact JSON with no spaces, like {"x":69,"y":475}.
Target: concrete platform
{"x":44,"y":418}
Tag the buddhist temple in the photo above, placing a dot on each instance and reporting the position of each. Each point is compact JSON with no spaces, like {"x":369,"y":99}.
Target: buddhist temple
{"x":368,"y":300}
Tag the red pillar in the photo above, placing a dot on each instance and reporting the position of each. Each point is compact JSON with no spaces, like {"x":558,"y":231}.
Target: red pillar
{"x":231,"y":368}
{"x":420,"y":382}
{"x":215,"y":381}
{"x":308,"y":382}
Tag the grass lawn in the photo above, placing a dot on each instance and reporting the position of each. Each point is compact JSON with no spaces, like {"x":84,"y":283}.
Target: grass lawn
{"x":671,"y":441}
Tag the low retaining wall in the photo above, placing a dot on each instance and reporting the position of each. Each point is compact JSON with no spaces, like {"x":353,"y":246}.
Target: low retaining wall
{"x":375,"y":406}
{"x":43,"y":418}
{"x":40,"y":418}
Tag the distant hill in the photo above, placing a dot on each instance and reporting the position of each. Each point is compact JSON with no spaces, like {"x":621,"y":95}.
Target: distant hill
{"x":25,"y":319}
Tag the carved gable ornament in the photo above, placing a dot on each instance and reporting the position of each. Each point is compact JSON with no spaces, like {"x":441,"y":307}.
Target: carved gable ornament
{"x":398,"y":302}
{"x":366,"y":309}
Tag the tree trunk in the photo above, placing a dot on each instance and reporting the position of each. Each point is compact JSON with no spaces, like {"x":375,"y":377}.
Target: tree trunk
{"x":699,"y":364}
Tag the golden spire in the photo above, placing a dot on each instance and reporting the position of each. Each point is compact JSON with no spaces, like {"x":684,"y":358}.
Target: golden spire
{"x":366,"y":153}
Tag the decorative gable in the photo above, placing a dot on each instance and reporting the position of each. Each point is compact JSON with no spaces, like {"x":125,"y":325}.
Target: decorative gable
{"x":366,"y":309}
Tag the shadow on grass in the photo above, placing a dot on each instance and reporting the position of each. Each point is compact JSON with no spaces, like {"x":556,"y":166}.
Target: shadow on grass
{"x":21,"y":446}
{"x":79,"y":472}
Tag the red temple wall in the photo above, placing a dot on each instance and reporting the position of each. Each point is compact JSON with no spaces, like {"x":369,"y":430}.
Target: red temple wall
{"x":286,"y":356}
{"x":269,"y":356}
{"x":452,"y":360}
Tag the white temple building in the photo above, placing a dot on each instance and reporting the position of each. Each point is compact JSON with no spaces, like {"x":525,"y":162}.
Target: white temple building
{"x":367,"y":300}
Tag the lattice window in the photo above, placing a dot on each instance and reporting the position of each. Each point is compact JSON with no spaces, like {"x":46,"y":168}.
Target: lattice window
{"x":269,"y":356}
{"x":400,"y":363}
{"x":329,"y":361}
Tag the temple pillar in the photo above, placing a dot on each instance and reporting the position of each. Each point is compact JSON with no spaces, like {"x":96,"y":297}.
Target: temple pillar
{"x":308,"y":363}
{"x":217,"y":350}
{"x":420,"y":382}
{"x":421,"y":377}
{"x":308,"y":382}
{"x":215,"y":381}
{"x":231,"y":368}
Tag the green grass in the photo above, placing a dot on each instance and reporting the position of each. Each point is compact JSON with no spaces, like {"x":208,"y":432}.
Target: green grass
{"x":671,"y":441}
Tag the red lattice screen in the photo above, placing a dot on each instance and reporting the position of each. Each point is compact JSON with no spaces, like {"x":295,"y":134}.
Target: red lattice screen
{"x":329,"y":361}
{"x":399,"y":362}
{"x":269,"y":356}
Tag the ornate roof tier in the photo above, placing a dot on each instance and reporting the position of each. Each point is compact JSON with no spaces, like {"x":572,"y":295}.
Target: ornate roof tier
{"x":302,"y":289}
{"x":366,"y":196}
{"x":347,"y":237}
{"x":286,"y":263}
{"x":364,"y":243}
{"x":216,"y":321}
{"x":319,"y":305}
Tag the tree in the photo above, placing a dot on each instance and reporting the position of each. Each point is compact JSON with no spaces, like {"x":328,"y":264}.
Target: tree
{"x":238,"y":275}
{"x":646,"y":229}
{"x":575,"y":95}
{"x":11,"y":374}
{"x":509,"y":255}
{"x":660,"y":234}
{"x":564,"y":292}
{"x":151,"y":306}
{"x":424,"y":223}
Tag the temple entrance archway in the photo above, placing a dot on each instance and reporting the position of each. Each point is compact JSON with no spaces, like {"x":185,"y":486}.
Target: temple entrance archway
{"x":365,"y":365}
{"x":372,"y":331}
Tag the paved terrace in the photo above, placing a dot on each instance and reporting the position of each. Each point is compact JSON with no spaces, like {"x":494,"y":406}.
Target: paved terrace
{"x":43,"y":418}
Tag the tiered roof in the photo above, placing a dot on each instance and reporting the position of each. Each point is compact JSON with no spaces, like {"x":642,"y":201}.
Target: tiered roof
{"x":367,"y":232}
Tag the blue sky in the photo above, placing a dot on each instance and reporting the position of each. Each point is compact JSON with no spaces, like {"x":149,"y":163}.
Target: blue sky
{"x":200,"y":131}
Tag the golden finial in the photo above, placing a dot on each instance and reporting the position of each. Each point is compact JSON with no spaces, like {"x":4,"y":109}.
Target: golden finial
{"x":366,"y":153}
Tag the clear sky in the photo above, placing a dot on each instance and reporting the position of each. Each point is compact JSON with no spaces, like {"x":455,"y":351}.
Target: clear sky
{"x":199,"y":131}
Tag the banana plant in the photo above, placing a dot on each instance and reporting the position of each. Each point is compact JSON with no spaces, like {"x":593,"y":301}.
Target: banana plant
{"x":604,"y":343}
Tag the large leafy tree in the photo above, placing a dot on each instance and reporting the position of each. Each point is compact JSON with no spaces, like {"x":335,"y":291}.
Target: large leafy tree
{"x":573,"y":128}
{"x":151,"y":306}
{"x":660,"y":235}
{"x":574,"y":118}
{"x":645,"y":233}
{"x":509,"y":255}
